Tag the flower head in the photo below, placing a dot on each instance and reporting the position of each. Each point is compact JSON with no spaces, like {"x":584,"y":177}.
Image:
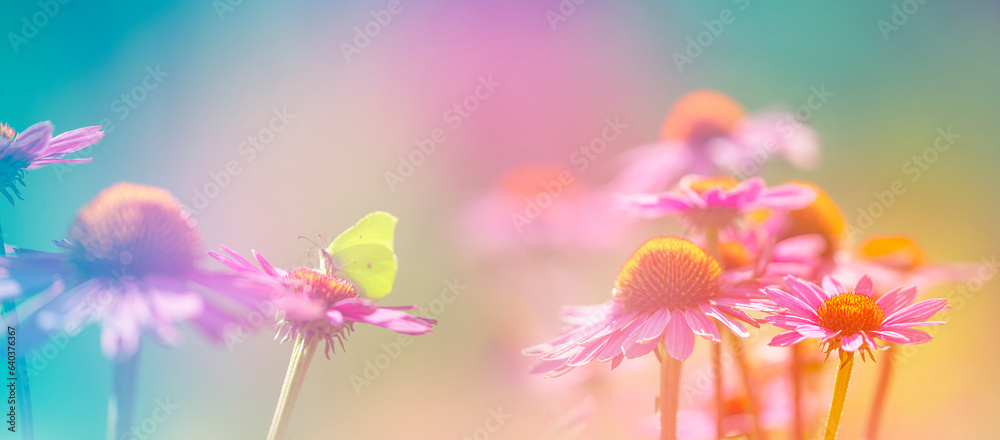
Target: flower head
{"x":541,"y":206}
{"x":708,"y":132}
{"x":317,"y":305}
{"x":804,"y":242}
{"x":899,"y":259}
{"x":850,"y":320}
{"x":666,"y":292}
{"x":128,"y":262}
{"x":718,"y":202}
{"x":35,"y":148}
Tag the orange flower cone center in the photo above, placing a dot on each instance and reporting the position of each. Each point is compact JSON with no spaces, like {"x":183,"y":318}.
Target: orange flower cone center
{"x":667,"y":272}
{"x":701,"y":115}
{"x":134,"y":230}
{"x":850,"y":313}
{"x":322,"y":287}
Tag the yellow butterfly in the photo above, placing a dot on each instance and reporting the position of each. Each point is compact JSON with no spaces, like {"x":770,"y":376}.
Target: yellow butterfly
{"x":364,"y":255}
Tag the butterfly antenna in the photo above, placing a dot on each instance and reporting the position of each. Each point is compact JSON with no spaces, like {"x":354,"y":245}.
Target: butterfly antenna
{"x":319,"y":245}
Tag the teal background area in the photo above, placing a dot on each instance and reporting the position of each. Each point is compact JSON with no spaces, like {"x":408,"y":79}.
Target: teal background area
{"x":353,"y":119}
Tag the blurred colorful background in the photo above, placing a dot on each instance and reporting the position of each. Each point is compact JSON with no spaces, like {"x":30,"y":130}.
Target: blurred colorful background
{"x":271,"y":120}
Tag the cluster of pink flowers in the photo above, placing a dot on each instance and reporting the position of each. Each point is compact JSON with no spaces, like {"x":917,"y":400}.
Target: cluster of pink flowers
{"x":758,"y":255}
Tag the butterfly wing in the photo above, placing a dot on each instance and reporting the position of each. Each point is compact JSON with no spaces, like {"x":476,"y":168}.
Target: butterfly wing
{"x":364,"y":254}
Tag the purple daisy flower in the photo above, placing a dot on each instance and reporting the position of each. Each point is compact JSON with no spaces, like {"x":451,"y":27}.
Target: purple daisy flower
{"x":128,"y":264}
{"x":35,"y":148}
{"x":321,"y":307}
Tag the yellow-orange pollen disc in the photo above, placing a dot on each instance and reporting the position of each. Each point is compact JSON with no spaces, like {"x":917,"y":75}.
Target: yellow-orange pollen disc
{"x":7,"y":132}
{"x":322,"y":287}
{"x":850,"y":313}
{"x":134,"y":230}
{"x":667,"y":272}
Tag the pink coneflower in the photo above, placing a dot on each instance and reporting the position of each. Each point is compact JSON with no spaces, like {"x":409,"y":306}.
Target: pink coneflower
{"x":899,"y":259}
{"x":321,"y":307}
{"x":716,"y":203}
{"x":707,"y":132}
{"x":35,"y":148}
{"x":538,"y":206}
{"x":895,"y":260}
{"x":665,"y":293}
{"x":850,"y":320}
{"x":128,"y":262}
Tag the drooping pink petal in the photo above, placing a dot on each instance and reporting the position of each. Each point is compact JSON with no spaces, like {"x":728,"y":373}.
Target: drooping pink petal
{"x":864,"y":286}
{"x":917,"y":312}
{"x":793,"y":304}
{"x":813,"y":331}
{"x":788,"y":322}
{"x":903,"y":336}
{"x":654,"y":325}
{"x":73,"y":140}
{"x":852,"y":342}
{"x":731,"y":324}
{"x":832,"y":286}
{"x":809,"y":293}
{"x":701,"y":325}
{"x":678,"y":339}
{"x":787,"y":338}
{"x":38,"y":163}
{"x":34,"y":139}
{"x":896,"y":299}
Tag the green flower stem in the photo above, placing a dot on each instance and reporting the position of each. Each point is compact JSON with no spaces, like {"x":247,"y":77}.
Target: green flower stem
{"x":839,"y":394}
{"x":798,"y":424}
{"x":739,"y":352}
{"x":121,"y":403}
{"x":302,"y":354}
{"x":670,"y":387}
{"x":712,"y":238}
{"x":9,"y":313}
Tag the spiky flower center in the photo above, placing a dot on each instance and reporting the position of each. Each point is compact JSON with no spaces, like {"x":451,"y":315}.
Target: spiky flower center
{"x":11,"y":166}
{"x":134,"y":230}
{"x":667,"y":272}
{"x":850,"y":313}
{"x":322,"y":287}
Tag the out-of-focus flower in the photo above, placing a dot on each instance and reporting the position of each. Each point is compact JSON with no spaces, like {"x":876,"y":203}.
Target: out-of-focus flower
{"x":808,"y":242}
{"x":897,"y":259}
{"x":717,"y":203}
{"x":128,"y":262}
{"x":318,"y":306}
{"x":849,"y":320}
{"x":541,"y":206}
{"x":707,"y":132}
{"x":35,"y":148}
{"x":666,"y":293}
